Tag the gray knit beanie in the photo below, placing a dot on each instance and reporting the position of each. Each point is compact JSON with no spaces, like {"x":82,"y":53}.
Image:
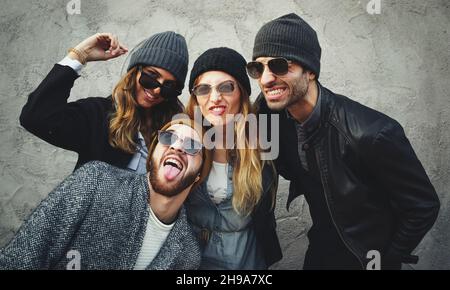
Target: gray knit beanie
{"x":166,"y":50}
{"x":291,"y":37}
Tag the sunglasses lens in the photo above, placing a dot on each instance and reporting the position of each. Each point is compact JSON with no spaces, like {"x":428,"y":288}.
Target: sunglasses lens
{"x":226,"y":87}
{"x":168,"y":89}
{"x":171,"y":85}
{"x":166,"y":138}
{"x":202,"y":90}
{"x":278,"y":66}
{"x":255,"y":69}
{"x":169,"y":93}
{"x":148,"y":81}
{"x":191,"y":146}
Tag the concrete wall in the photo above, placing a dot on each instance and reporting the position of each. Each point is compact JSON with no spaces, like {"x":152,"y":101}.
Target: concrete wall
{"x":396,"y":61}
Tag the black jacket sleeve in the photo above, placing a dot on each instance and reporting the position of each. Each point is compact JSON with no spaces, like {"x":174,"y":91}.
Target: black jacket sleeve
{"x":49,"y":116}
{"x":411,"y":194}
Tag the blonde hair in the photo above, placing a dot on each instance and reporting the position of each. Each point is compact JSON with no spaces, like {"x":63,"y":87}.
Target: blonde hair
{"x":246,"y":162}
{"x":128,"y":118}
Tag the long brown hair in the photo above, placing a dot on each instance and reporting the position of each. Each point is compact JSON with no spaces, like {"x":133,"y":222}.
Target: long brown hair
{"x":128,"y":118}
{"x":246,"y":162}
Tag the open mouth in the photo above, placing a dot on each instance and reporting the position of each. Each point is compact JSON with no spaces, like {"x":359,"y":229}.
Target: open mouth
{"x":150,"y":96}
{"x":172,"y":167}
{"x":275,"y":93}
{"x":217,"y":110}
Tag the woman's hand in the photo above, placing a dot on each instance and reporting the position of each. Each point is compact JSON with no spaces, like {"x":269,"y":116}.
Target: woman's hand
{"x":100,"y":46}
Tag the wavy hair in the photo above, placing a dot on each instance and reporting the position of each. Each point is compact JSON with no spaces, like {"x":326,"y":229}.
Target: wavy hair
{"x":128,"y":118}
{"x":246,"y":162}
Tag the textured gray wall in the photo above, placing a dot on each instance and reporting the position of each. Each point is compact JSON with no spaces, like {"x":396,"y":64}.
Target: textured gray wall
{"x":396,"y":62}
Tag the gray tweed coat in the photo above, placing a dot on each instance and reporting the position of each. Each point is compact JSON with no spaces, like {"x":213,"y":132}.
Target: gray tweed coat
{"x":100,"y":211}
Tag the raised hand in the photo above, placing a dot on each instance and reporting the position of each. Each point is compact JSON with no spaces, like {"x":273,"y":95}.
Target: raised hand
{"x":100,"y":46}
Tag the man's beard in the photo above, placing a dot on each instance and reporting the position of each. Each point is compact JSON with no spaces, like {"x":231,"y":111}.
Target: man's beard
{"x":299,"y":90}
{"x":163,"y":188}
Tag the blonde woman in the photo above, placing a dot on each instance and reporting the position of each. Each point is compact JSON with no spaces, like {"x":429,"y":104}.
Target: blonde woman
{"x":232,"y":211}
{"x":117,"y":129}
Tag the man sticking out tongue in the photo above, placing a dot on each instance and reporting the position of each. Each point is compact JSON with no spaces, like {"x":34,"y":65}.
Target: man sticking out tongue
{"x":103,"y":217}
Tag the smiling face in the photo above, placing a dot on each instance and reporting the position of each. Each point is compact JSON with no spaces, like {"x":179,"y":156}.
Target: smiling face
{"x":215,"y":105}
{"x":147,"y":98}
{"x":282,"y":91}
{"x":172,"y":170}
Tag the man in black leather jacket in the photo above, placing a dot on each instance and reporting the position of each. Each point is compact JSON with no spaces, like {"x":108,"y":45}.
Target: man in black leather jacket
{"x":365,"y":186}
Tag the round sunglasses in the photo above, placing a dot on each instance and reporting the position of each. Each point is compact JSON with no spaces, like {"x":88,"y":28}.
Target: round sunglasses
{"x":279,"y":66}
{"x":190,"y":146}
{"x":226,"y":87}
{"x":149,"y":80}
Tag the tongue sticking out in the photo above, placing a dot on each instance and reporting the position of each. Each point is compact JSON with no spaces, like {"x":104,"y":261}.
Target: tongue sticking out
{"x":170,"y":172}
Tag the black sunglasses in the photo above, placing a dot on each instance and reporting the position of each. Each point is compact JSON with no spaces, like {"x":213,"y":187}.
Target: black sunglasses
{"x":279,"y":66}
{"x":226,"y":87}
{"x":149,"y":80}
{"x":190,"y":146}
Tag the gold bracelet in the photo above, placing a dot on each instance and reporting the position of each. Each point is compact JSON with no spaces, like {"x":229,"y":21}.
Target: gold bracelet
{"x":81,"y":54}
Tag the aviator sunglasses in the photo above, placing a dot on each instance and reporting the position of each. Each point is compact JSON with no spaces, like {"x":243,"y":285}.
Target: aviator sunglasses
{"x":279,"y":66}
{"x":226,"y":87}
{"x":190,"y":146}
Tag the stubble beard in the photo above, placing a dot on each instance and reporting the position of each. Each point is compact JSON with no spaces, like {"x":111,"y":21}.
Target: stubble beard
{"x":298,"y":91}
{"x":163,"y":188}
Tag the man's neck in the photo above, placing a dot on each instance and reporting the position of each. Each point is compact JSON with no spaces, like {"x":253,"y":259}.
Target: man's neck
{"x":302,"y":109}
{"x":166,"y":208}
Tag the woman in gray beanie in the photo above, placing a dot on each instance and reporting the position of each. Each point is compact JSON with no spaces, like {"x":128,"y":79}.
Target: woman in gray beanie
{"x":116,"y":129}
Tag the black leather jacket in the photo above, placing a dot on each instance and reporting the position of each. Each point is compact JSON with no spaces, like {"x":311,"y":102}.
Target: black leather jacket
{"x":377,"y":192}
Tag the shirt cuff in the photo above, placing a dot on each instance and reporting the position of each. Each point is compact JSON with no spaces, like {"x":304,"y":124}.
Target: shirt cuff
{"x":72,"y":63}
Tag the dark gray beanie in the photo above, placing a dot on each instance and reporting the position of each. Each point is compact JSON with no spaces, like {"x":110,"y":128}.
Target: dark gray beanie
{"x":166,"y":50}
{"x":291,"y":37}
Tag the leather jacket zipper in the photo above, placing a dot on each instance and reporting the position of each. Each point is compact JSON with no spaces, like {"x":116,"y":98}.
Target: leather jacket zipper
{"x":325,"y":189}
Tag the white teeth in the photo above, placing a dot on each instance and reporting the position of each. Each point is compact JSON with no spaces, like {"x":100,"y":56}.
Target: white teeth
{"x":148,"y":94}
{"x":174,"y":161}
{"x":218,"y":109}
{"x":276,"y":92}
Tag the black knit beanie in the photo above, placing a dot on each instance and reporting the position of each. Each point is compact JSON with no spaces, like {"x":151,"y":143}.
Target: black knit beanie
{"x":166,"y":50}
{"x":291,"y":37}
{"x":221,"y":59}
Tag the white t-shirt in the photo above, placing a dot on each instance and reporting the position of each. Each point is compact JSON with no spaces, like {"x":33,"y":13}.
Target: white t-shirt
{"x":155,"y":236}
{"x":217,"y":182}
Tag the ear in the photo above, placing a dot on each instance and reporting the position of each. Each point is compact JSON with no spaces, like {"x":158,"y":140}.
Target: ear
{"x":311,"y":76}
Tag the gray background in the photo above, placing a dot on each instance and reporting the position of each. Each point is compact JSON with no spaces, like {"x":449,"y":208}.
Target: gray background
{"x":396,"y":62}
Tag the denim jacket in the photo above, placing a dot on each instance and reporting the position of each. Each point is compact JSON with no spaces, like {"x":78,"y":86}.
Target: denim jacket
{"x":229,"y":240}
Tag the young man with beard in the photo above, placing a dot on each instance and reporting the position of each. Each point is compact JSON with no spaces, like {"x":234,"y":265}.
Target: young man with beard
{"x":115,"y":219}
{"x":364,"y":185}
